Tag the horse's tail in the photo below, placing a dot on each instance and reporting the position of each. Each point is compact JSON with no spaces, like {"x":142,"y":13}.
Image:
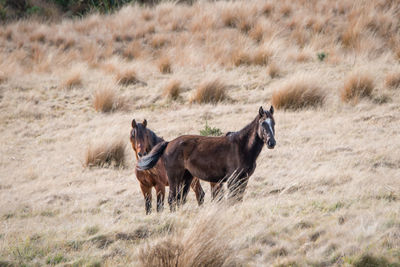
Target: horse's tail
{"x":150,"y":160}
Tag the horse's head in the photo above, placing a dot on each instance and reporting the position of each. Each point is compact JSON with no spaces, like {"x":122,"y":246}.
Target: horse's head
{"x":140,"y":139}
{"x":266,"y":127}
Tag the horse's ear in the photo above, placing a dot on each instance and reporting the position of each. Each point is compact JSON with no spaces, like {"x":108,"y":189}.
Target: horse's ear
{"x":261,"y":111}
{"x":271,"y":110}
{"x":144,"y":123}
{"x":133,"y":123}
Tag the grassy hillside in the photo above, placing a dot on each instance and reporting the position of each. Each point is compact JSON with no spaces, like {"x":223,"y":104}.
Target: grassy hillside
{"x":327,"y":195}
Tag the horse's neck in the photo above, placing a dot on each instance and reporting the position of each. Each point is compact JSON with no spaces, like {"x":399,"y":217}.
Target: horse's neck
{"x":155,"y":139}
{"x":249,"y":141}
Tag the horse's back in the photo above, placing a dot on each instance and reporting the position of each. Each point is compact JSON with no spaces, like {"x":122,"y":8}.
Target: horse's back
{"x":204,"y":157}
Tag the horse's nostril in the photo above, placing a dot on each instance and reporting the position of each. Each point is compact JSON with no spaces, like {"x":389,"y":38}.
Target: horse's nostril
{"x":140,"y":154}
{"x":271,"y":143}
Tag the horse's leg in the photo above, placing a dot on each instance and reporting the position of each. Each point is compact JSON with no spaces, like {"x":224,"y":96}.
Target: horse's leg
{"x":187,"y":181}
{"x":198,"y":190}
{"x":217,"y":191}
{"x":175,"y":178}
{"x":146,"y":190}
{"x":160,"y":190}
{"x":237,"y":187}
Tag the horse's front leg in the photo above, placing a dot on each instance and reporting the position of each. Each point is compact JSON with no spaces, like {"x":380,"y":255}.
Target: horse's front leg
{"x":146,"y":190}
{"x":198,"y":190}
{"x":237,"y":187}
{"x":160,"y":190}
{"x":217,"y":191}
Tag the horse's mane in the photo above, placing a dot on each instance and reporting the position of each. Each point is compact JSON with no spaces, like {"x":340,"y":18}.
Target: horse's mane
{"x":244,"y":131}
{"x":154,"y":138}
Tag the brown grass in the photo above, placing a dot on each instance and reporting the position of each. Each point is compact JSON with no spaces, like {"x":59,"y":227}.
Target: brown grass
{"x":273,"y":70}
{"x":132,"y":50}
{"x":158,"y":41}
{"x":392,"y":80}
{"x":257,"y":32}
{"x":72,"y":80}
{"x":261,"y":56}
{"x":240,"y":57}
{"x":209,"y":92}
{"x":204,"y":244}
{"x":3,"y":77}
{"x":164,"y":65}
{"x":105,"y":100}
{"x":106,"y":154}
{"x":126,"y":77}
{"x":298,"y":93}
{"x":357,"y":85}
{"x":173,"y":89}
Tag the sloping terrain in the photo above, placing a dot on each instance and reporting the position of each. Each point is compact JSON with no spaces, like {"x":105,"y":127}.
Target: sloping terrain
{"x":327,"y":195}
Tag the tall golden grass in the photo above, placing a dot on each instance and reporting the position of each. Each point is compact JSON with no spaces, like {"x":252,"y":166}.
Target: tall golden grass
{"x":305,"y":204}
{"x":212,"y":91}
{"x":298,"y":93}
{"x":173,"y":89}
{"x":356,"y":86}
{"x":106,"y":154}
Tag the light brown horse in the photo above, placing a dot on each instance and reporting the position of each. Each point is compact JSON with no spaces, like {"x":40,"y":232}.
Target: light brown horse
{"x":143,"y":140}
{"x":230,"y":158}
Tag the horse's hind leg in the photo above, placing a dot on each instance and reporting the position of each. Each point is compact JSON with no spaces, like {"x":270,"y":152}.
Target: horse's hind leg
{"x":217,"y":191}
{"x":198,"y":190}
{"x":187,"y":181}
{"x":160,"y":191}
{"x":175,"y":175}
{"x":146,"y":190}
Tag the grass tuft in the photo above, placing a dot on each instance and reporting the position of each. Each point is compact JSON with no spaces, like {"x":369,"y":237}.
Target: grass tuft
{"x":72,"y":80}
{"x":204,"y":244}
{"x":357,"y":85}
{"x":164,"y":65}
{"x":210,"y":92}
{"x":392,"y":80}
{"x":273,"y":70}
{"x":173,"y":89}
{"x":298,"y":93}
{"x":126,"y":77}
{"x":106,"y":154}
{"x":105,"y":100}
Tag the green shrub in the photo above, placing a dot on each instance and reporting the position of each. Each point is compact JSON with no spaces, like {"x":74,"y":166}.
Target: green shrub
{"x":208,"y":131}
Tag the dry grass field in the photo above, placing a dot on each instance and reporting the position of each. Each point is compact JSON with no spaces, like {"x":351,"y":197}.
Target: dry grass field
{"x":327,"y":195}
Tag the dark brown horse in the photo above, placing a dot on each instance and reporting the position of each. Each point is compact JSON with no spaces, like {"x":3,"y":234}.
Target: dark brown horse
{"x":230,"y":158}
{"x":143,"y":140}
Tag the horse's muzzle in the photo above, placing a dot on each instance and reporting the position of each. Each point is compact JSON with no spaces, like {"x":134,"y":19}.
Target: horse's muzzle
{"x":140,"y":154}
{"x":271,"y":144}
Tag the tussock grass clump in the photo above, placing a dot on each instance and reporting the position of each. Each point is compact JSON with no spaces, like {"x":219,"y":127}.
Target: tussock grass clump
{"x":105,"y":100}
{"x":204,"y":244}
{"x":106,"y":154}
{"x":72,"y":80}
{"x":298,"y":93}
{"x":3,"y":77}
{"x":273,"y":70}
{"x":240,"y":57}
{"x":392,"y":80}
{"x":164,"y":65}
{"x":209,"y":92}
{"x":357,"y":85}
{"x":126,"y":77}
{"x":173,"y":89}
{"x":132,"y":50}
{"x":261,"y":56}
